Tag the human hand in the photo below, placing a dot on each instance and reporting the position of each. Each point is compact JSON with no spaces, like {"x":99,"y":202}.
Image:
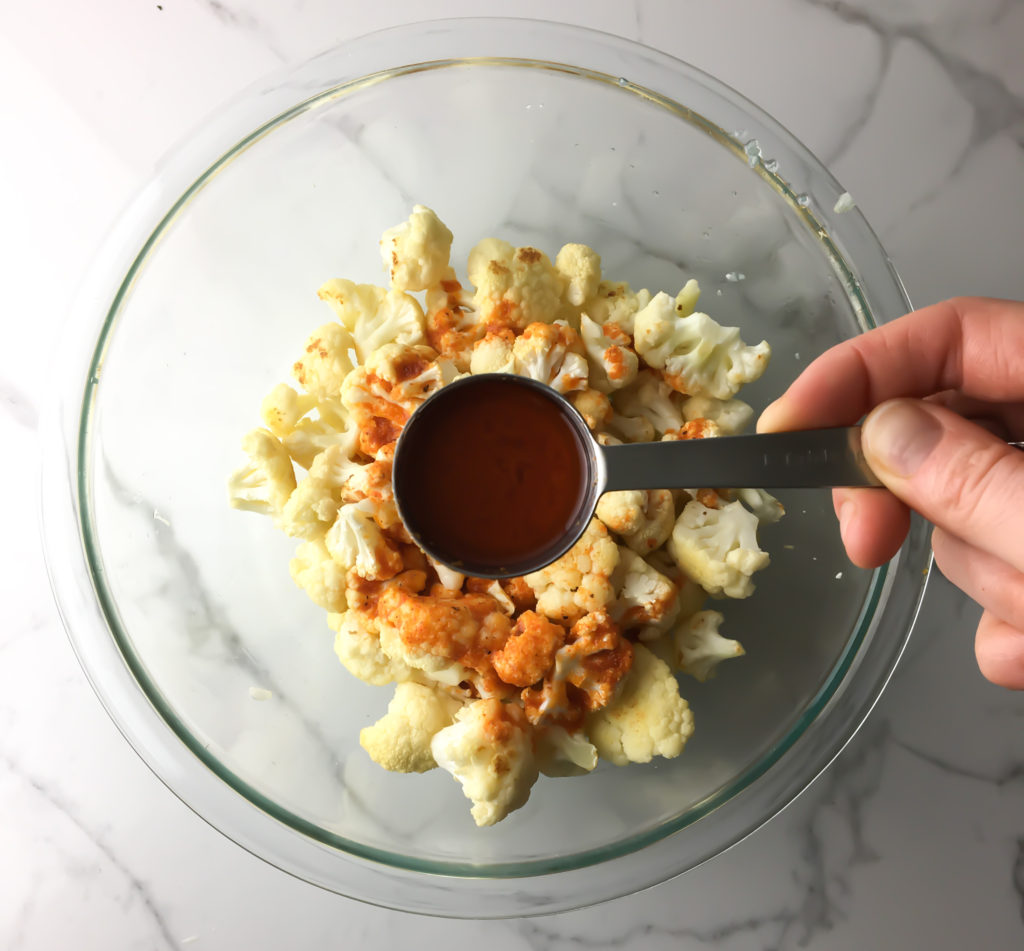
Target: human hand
{"x":943,"y":388}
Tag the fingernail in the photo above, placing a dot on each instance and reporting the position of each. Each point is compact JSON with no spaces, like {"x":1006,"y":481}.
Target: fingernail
{"x":900,"y":435}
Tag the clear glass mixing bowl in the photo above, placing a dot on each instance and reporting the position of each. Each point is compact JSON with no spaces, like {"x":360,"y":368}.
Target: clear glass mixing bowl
{"x":177,"y":605}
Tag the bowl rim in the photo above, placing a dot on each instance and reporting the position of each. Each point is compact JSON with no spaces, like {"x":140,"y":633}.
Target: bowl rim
{"x":76,"y":575}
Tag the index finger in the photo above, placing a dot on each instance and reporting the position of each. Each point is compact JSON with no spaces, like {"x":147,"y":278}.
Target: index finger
{"x":974,"y":345}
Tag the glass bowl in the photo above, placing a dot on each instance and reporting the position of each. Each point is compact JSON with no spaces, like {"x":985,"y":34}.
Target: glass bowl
{"x":177,"y":605}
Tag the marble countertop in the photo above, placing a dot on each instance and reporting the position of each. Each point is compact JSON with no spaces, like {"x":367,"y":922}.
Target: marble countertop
{"x":913,"y":838}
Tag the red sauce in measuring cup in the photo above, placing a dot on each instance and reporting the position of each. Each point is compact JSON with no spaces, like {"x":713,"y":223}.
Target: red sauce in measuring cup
{"x":493,"y":474}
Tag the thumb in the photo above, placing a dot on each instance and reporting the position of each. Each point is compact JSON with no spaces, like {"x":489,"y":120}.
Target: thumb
{"x":953,"y":472}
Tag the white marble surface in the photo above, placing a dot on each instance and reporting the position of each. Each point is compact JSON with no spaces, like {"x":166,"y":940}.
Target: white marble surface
{"x":914,"y":838}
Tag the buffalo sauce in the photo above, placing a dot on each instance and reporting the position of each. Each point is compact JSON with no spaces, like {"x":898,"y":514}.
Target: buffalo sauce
{"x":491,"y":476}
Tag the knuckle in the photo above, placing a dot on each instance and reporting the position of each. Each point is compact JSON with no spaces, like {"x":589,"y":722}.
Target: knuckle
{"x":973,"y":486}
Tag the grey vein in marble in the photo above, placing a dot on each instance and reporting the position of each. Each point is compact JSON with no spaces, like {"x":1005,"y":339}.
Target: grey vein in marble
{"x":995,"y":107}
{"x":136,"y":885}
{"x":213,"y":619}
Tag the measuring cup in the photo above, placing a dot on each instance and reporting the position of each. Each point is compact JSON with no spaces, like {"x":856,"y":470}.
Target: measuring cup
{"x":487,"y":477}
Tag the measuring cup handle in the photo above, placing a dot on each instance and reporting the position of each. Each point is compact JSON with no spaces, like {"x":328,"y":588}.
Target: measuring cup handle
{"x":796,"y":460}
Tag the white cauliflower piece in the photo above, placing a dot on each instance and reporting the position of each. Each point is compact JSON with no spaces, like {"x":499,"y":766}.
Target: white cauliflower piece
{"x":613,"y":363}
{"x":357,"y":645}
{"x":409,"y":374}
{"x":731,"y":416}
{"x":319,"y":575}
{"x":643,"y":519}
{"x":561,"y":753}
{"x":650,"y":397}
{"x":766,"y":507}
{"x":686,"y":299}
{"x":313,"y":506}
{"x":415,"y":252}
{"x":355,"y":541}
{"x":398,"y":320}
{"x":647,"y":718}
{"x":449,"y":577}
{"x":629,"y":428}
{"x":489,"y":751}
{"x":644,"y":596}
{"x":432,"y":634}
{"x":580,"y":267}
{"x":283,"y":407}
{"x":717,"y":547}
{"x":493,"y":354}
{"x":352,"y":303}
{"x":551,"y":354}
{"x":382,"y":394}
{"x":614,"y":303}
{"x":580,"y":581}
{"x":593,"y":406}
{"x":659,"y":516}
{"x":266,"y":480}
{"x":699,"y":648}
{"x":326,"y":361}
{"x":311,"y":436}
{"x":515,"y":287}
{"x":400,"y":740}
{"x":623,"y":511}
{"x":697,"y":355}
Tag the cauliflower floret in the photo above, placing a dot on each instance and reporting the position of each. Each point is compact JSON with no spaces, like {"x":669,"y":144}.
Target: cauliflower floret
{"x":613,"y":363}
{"x":697,"y":355}
{"x":313,"y":506}
{"x":622,"y":511}
{"x":515,"y":287}
{"x":452,"y":324}
{"x":357,"y":644}
{"x":594,"y":660}
{"x":382,"y":395}
{"x":629,"y":428}
{"x":488,"y":749}
{"x":326,"y":362}
{"x":579,"y":581}
{"x":551,"y":354}
{"x":650,"y":397}
{"x":400,"y":740}
{"x":352,"y":303}
{"x":717,"y":547}
{"x":698,"y":647}
{"x":355,"y":541}
{"x":283,"y":407}
{"x":580,"y":267}
{"x":593,"y":406}
{"x":319,"y":575}
{"x":643,"y":519}
{"x":614,"y":303}
{"x":399,"y":320}
{"x":311,"y":436}
{"x":561,"y":753}
{"x":648,"y":718}
{"x":766,"y":507}
{"x":450,"y":636}
{"x":415,"y":252}
{"x":529,"y":652}
{"x":731,"y":416}
{"x":493,"y":354}
{"x":372,"y":483}
{"x":644,"y":595}
{"x":686,"y":299}
{"x":264,"y":483}
{"x":449,"y":577}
